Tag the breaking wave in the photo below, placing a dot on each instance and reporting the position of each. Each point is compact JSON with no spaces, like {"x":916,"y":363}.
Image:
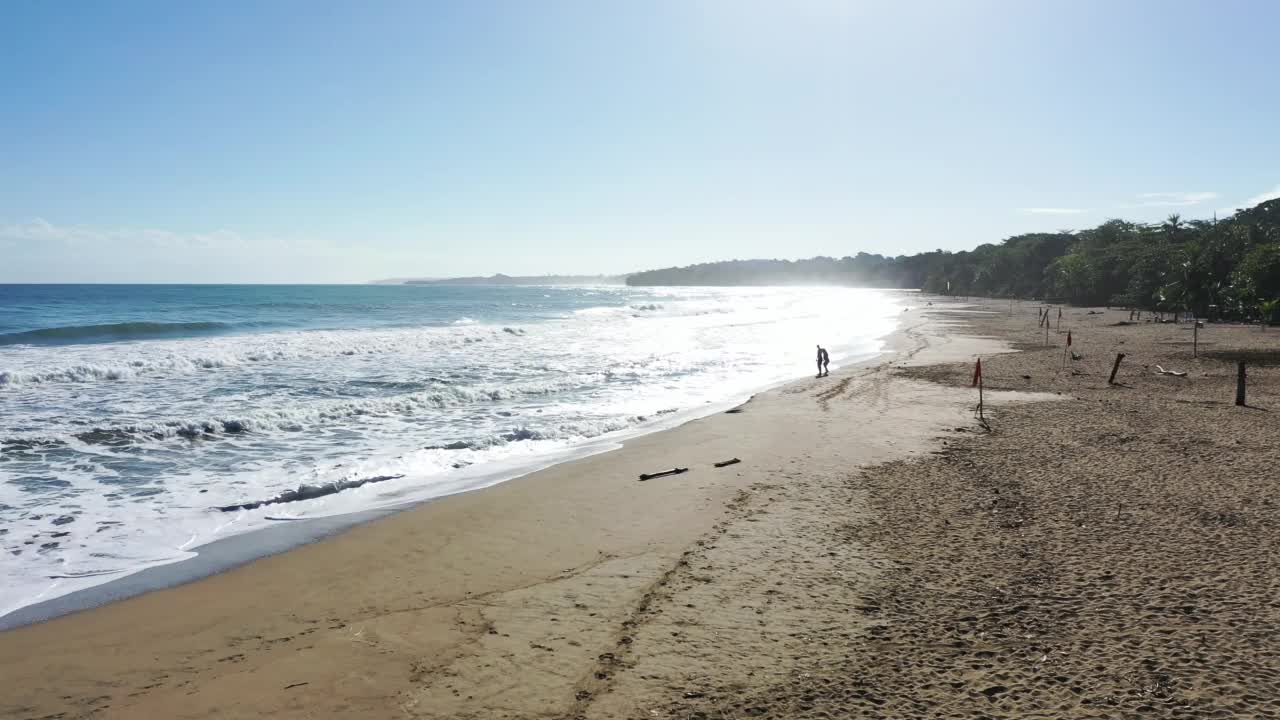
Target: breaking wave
{"x":308,"y":492}
{"x":116,"y":332}
{"x":298,"y":345}
{"x":318,"y":414}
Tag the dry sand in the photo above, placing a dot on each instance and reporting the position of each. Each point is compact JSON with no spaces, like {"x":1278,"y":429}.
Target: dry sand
{"x":1107,"y":556}
{"x":1102,"y":555}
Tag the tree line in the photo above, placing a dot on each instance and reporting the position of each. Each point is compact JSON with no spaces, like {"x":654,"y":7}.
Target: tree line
{"x":1222,"y":269}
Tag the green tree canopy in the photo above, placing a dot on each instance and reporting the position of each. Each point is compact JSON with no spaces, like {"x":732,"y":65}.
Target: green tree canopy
{"x":1216,"y":269}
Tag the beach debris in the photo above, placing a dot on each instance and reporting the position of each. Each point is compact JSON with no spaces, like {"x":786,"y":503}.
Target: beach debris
{"x":1175,"y":373}
{"x":733,"y":411}
{"x":995,"y":690}
{"x":294,"y":685}
{"x":663,"y":473}
{"x":1115,"y":368}
{"x":727,"y":463}
{"x":309,"y":492}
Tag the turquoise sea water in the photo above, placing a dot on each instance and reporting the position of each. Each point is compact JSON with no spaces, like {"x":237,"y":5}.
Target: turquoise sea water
{"x":140,"y":422}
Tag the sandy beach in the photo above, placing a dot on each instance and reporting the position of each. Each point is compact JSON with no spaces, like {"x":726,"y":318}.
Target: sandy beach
{"x":1099,"y":551}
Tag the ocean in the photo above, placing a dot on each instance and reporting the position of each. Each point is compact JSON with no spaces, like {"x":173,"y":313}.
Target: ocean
{"x":138,"y":423}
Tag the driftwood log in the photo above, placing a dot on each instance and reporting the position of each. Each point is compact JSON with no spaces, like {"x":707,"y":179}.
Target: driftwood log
{"x":664,"y":473}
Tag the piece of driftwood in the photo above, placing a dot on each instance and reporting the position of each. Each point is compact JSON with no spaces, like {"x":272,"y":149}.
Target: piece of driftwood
{"x":1114,"y":368}
{"x":727,"y":463}
{"x":664,"y":473}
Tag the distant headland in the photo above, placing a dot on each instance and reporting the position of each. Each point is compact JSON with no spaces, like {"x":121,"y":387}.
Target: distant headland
{"x":501,"y":279}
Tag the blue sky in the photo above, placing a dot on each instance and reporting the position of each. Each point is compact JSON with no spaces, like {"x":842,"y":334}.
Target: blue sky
{"x":341,"y":142}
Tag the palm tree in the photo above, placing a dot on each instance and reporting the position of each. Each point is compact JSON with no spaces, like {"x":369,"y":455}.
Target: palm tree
{"x":1268,"y":310}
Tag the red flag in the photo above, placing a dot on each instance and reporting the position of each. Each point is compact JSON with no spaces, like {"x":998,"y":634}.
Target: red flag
{"x":977,"y":372}
{"x":1068,"y":338}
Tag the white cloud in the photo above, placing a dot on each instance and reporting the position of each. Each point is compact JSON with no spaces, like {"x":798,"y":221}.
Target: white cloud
{"x":1255,"y":200}
{"x":1173,"y":199}
{"x":1053,"y":211}
{"x":42,"y":251}
{"x":42,"y":232}
{"x":45,"y":234}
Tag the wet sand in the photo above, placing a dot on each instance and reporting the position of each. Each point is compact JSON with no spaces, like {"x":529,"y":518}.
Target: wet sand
{"x":876,"y":553}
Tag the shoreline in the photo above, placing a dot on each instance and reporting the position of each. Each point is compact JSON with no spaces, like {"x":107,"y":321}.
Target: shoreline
{"x":225,"y":554}
{"x":459,"y":567}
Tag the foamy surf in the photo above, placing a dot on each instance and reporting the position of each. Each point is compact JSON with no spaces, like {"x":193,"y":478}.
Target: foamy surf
{"x":123,"y":455}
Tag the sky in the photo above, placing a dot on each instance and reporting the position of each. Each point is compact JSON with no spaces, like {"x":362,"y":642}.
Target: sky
{"x":313,"y":141}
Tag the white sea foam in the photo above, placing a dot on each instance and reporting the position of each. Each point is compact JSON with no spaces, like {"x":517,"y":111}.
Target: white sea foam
{"x":128,"y":361}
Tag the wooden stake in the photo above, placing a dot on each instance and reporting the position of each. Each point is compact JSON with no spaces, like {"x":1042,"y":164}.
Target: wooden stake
{"x":1195,"y":337}
{"x":977,"y":380}
{"x":1240,"y":377}
{"x":1114,"y":368}
{"x":980,"y":416}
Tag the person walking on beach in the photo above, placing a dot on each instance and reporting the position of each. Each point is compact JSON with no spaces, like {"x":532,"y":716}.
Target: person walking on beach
{"x":823,"y":361}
